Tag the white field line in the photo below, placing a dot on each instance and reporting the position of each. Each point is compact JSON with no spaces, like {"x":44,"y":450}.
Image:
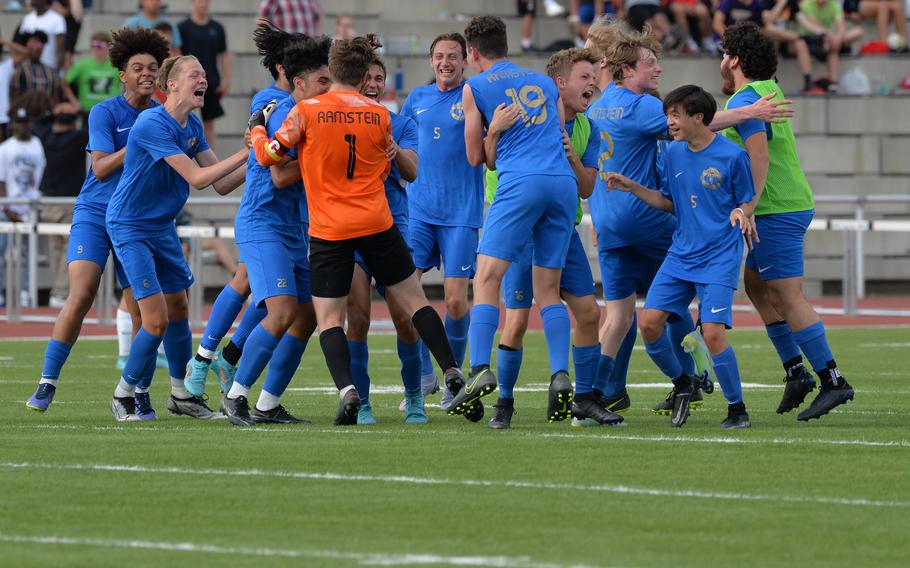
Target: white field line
{"x":529,"y":387}
{"x":433,"y":481}
{"x":609,"y":435}
{"x":360,"y":558}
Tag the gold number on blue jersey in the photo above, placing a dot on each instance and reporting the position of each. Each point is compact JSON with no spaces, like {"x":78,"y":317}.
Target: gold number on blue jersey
{"x":436,"y":133}
{"x":529,"y":97}
{"x":694,"y":200}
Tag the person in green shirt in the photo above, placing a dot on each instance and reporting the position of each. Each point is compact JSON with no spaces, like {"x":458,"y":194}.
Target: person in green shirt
{"x":774,"y":268}
{"x":93,"y":78}
{"x":821,"y":24}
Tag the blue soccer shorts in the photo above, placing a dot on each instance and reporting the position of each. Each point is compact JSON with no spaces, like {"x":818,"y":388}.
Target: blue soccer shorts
{"x":90,"y":241}
{"x":453,"y":248}
{"x":576,"y":279}
{"x":629,"y":270}
{"x":275,"y":268}
{"x":779,"y":253}
{"x":154,"y":264}
{"x":672,"y":294}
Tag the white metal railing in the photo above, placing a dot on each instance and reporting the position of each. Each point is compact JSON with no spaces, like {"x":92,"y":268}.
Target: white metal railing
{"x":852,"y":229}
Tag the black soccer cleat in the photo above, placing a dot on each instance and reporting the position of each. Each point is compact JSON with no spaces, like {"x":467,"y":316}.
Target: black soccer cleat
{"x":502,"y":415}
{"x":796,"y":388}
{"x":618,"y":403}
{"x":479,"y":384}
{"x":684,"y":389}
{"x":474,"y":413}
{"x":559,"y":398}
{"x":277,"y":415}
{"x":829,"y":397}
{"x":665,"y":407}
{"x":737,"y":417}
{"x":586,"y":409}
{"x":348,"y":408}
{"x":237,"y":410}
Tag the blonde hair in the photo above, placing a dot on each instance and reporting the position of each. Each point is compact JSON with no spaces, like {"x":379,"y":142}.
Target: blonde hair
{"x":626,"y":51}
{"x":170,"y":66}
{"x":604,"y":32}
{"x":560,"y":63}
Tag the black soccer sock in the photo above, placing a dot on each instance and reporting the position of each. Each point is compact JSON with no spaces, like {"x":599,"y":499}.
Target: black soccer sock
{"x":830,"y":376}
{"x":231,"y":353}
{"x":793,"y":365}
{"x":337,"y":356}
{"x":202,"y":359}
{"x":807,"y":81}
{"x":433,"y":334}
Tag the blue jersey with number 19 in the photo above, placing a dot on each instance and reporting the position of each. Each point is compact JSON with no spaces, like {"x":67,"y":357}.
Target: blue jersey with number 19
{"x":448,"y":191}
{"x":533,"y":145}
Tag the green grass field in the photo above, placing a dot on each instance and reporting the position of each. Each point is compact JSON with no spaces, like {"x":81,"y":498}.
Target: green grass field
{"x":79,"y":489}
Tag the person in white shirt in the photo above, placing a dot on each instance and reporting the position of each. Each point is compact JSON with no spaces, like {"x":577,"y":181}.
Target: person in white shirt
{"x":54,"y":25}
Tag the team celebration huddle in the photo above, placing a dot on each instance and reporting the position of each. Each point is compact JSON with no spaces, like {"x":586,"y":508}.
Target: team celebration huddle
{"x":341,"y":194}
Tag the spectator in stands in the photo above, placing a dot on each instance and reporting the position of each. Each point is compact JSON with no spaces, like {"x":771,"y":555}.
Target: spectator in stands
{"x":883,"y":12}
{"x":730,"y":12}
{"x":71,"y":10}
{"x":205,"y":38}
{"x":43,"y":19}
{"x":149,"y":16}
{"x":64,"y":150}
{"x":35,"y":85}
{"x":777,"y":21}
{"x":527,"y":11}
{"x":167,"y":32}
{"x":344,"y":27}
{"x":7,"y":68}
{"x":93,"y":78}
{"x":682,"y":10}
{"x":21,"y":168}
{"x":645,"y":12}
{"x":294,"y":16}
{"x":582,"y":14}
{"x":823,"y":27}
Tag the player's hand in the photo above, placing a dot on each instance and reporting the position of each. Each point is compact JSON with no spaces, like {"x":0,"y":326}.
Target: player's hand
{"x":618,"y":181}
{"x":746,"y":226}
{"x":569,"y":148}
{"x":261,"y":116}
{"x":766,"y":110}
{"x":392,"y":149}
{"x":248,"y":138}
{"x":503,"y":118}
{"x":223,"y":89}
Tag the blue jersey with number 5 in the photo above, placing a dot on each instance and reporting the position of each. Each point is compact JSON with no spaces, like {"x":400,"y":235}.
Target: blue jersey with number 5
{"x":533,"y":145}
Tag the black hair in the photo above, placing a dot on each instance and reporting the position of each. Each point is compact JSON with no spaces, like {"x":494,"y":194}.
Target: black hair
{"x":487,"y":34}
{"x":127,"y":42}
{"x":692,"y":99}
{"x":756,"y":51}
{"x":270,"y":43}
{"x":305,"y":55}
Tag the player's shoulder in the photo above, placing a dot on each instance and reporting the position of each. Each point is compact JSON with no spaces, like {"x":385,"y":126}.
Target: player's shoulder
{"x":727,"y":147}
{"x":744,"y":97}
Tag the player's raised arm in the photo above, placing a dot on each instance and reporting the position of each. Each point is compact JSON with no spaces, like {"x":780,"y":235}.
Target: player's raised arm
{"x":271,"y":151}
{"x":652,"y":197}
{"x":231,"y":181}
{"x":765,"y":109}
{"x":473,"y":129}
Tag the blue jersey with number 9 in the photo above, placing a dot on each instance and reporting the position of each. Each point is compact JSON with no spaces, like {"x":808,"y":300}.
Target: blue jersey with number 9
{"x":533,"y":145}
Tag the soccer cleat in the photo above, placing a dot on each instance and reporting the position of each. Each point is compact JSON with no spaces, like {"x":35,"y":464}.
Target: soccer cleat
{"x":681,"y":400}
{"x":829,"y":397}
{"x":736,"y":418}
{"x":196,"y":372}
{"x":446,"y":399}
{"x":237,"y":410}
{"x":475,"y":412}
{"x":665,"y":407}
{"x":478,"y":385}
{"x":429,"y":384}
{"x":414,"y":413}
{"x":588,"y":411}
{"x":277,"y":415}
{"x":121,"y":362}
{"x":43,"y":397}
{"x":365,"y":415}
{"x":124,"y":409}
{"x":618,"y":403}
{"x":348,"y":409}
{"x":559,"y":397}
{"x":144,"y":410}
{"x":194,"y":407}
{"x":797,"y":386}
{"x":224,"y":371}
{"x":161,"y":361}
{"x":694,"y":345}
{"x":502,"y":415}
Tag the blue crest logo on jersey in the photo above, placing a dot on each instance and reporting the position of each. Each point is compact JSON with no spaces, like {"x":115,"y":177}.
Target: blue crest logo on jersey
{"x":711,"y":178}
{"x":457,"y":111}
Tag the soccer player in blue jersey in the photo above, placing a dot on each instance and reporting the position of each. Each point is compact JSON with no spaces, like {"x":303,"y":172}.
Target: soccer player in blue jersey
{"x":158,"y":169}
{"x":537,"y":196}
{"x":136,"y":54}
{"x":774,"y":270}
{"x":445,"y":202}
{"x":632,"y":238}
{"x":270,"y":44}
{"x":707,"y":184}
{"x":574,"y":74}
{"x":271,"y":234}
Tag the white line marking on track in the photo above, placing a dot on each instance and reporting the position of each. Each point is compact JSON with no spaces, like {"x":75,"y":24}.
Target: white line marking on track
{"x":512,"y":484}
{"x":363,"y":559}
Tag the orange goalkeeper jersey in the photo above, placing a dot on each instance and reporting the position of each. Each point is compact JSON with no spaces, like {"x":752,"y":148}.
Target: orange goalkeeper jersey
{"x":342,"y":142}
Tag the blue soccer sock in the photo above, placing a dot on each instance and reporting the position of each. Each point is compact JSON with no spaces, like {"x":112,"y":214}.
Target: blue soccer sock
{"x":603,"y":374}
{"x":484,"y":323}
{"x":251,"y":318}
{"x":664,"y":357}
{"x":557,"y":330}
{"x":784,"y":343}
{"x":727,"y":370}
{"x":814,"y":343}
{"x":143,"y":349}
{"x":409,"y":354}
{"x":586,"y":361}
{"x":55,"y":355}
{"x":224,"y":311}
{"x":508,"y":366}
{"x":285,"y":360}
{"x":256,"y":354}
{"x":360,"y":361}
{"x":678,"y":330}
{"x":178,"y":346}
{"x":426,"y":362}
{"x":616,"y":382}
{"x":457,"y":330}
{"x":146,"y":381}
